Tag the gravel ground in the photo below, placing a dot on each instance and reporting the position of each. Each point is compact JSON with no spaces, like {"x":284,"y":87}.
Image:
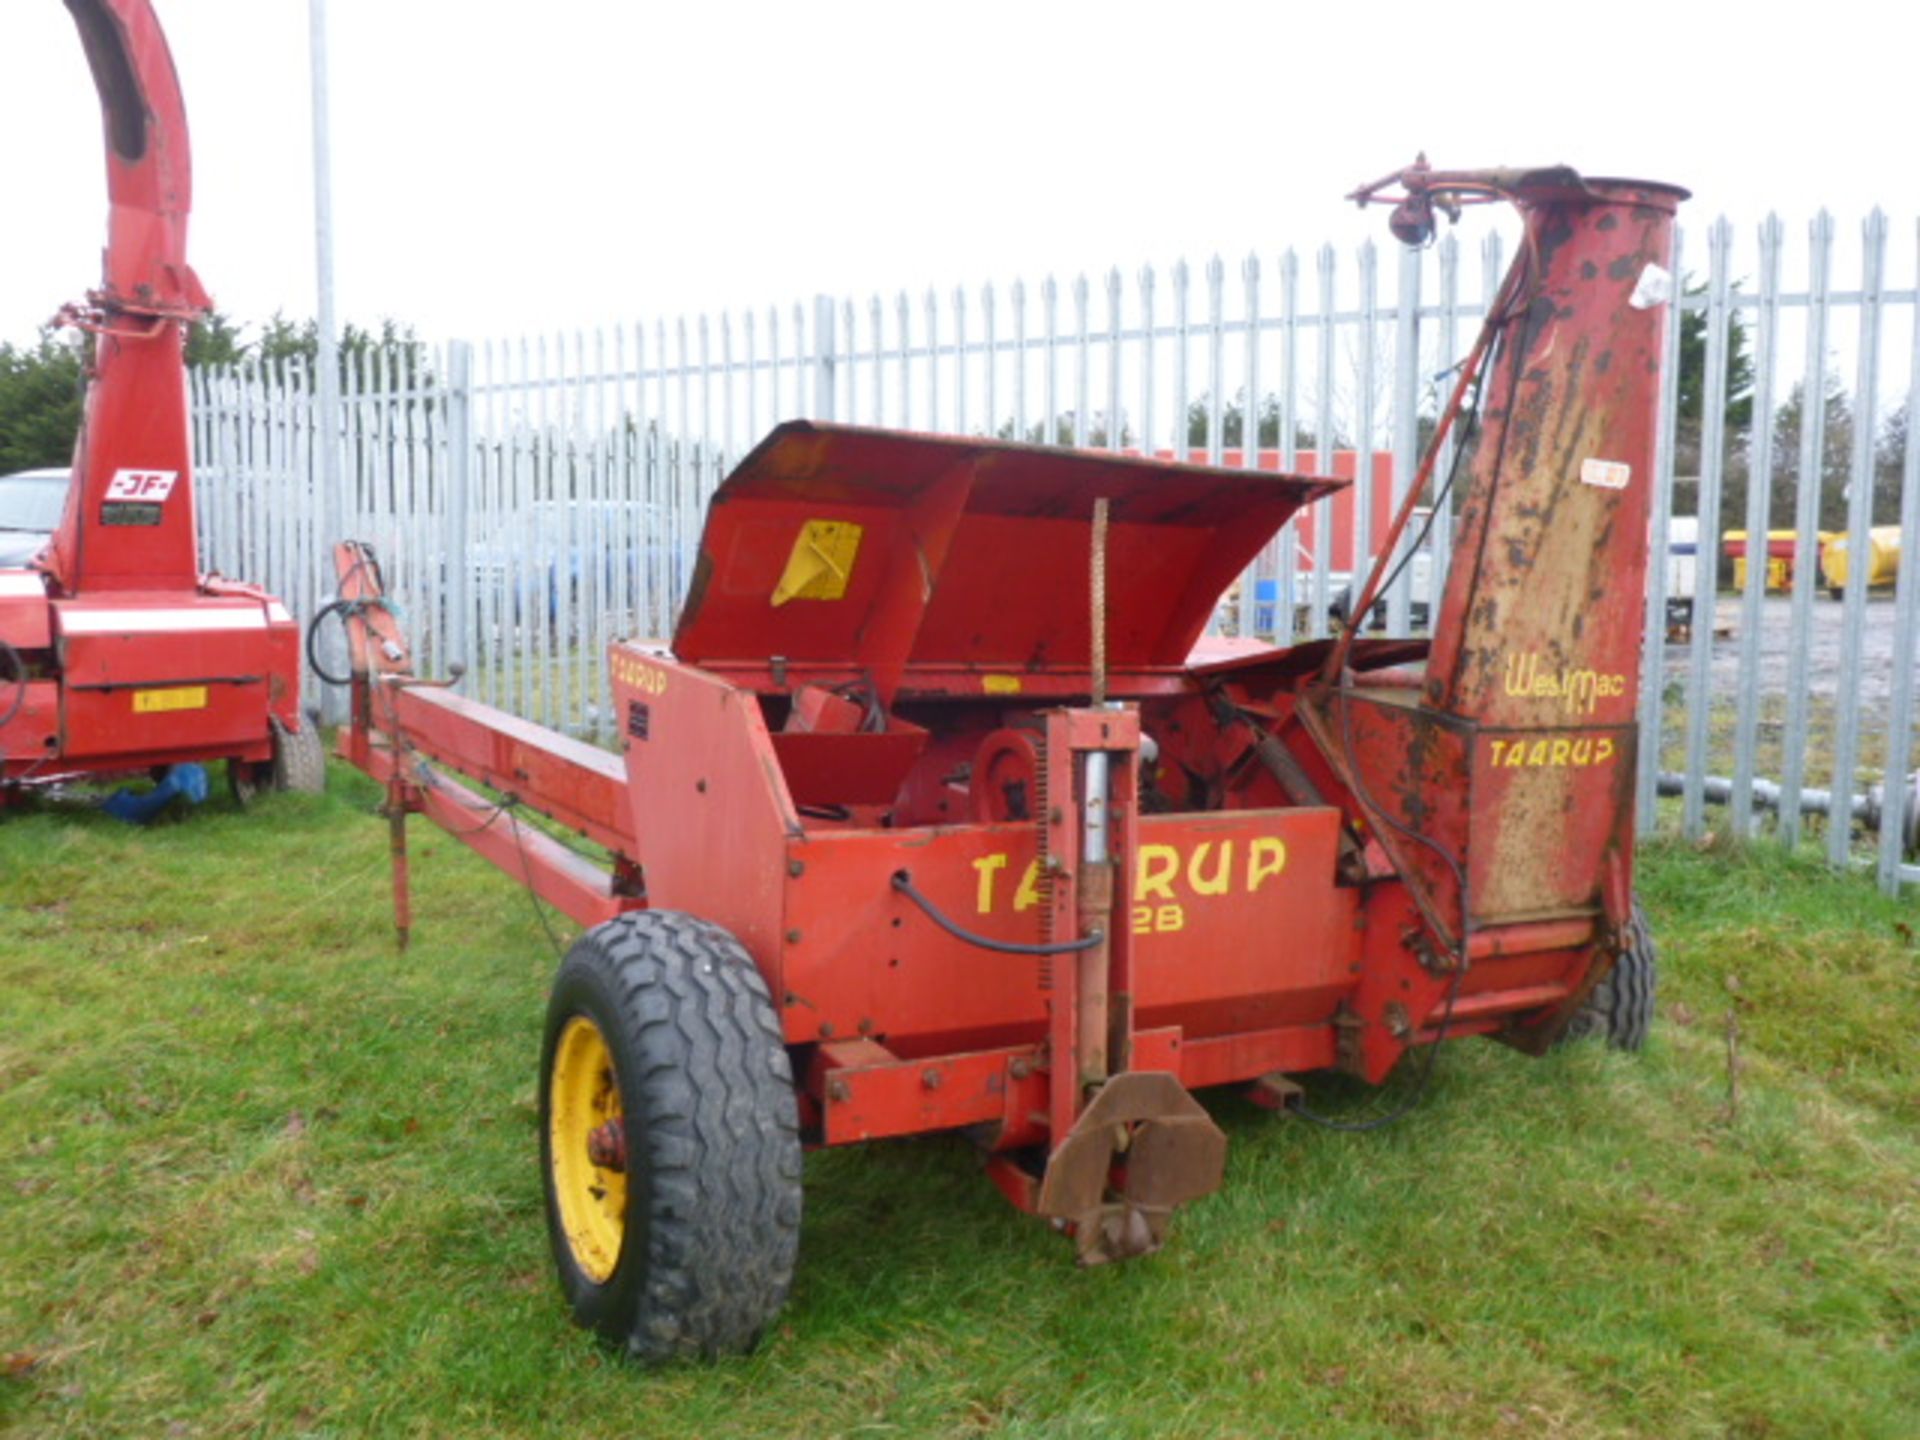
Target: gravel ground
{"x":1873,"y":681}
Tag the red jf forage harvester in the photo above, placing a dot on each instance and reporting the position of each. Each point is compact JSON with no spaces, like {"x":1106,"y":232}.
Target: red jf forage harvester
{"x":933,"y":818}
{"x":116,"y":652}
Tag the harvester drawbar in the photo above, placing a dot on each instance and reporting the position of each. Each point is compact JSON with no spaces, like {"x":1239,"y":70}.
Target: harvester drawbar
{"x":938,"y":815}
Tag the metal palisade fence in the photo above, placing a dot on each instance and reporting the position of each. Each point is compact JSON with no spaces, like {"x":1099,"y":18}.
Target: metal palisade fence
{"x":534,"y":499}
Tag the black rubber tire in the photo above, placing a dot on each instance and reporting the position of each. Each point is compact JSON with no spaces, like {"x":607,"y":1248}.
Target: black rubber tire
{"x":299,"y":758}
{"x":712,"y":1225}
{"x":246,"y":779}
{"x":1620,"y":1009}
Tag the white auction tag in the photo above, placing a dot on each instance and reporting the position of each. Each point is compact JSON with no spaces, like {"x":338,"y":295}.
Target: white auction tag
{"x":1653,"y":289}
{"x":1607,"y":474}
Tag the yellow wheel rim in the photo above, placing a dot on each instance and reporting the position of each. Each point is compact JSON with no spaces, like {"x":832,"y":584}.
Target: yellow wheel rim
{"x":583,"y":1096}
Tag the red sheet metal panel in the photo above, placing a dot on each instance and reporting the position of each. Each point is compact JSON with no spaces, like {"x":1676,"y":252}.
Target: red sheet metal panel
{"x":1574,"y":784}
{"x":33,"y":733}
{"x":1235,"y":924}
{"x":995,"y":574}
{"x":164,"y":716}
{"x":26,"y":620}
{"x":162,"y":672}
{"x":711,"y":808}
{"x":145,"y":638}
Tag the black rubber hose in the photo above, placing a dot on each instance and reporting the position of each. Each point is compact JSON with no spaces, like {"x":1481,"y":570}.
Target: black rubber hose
{"x":903,"y":882}
{"x":344,"y":608}
{"x":11,"y":661}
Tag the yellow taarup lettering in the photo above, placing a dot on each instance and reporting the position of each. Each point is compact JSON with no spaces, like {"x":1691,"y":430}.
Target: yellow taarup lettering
{"x":1267,"y":859}
{"x":1028,"y":895}
{"x":987,"y":867}
{"x":1559,"y":752}
{"x":1155,"y":869}
{"x":986,"y":872}
{"x":1202,"y":883}
{"x":648,"y":679}
{"x":1208,"y":868}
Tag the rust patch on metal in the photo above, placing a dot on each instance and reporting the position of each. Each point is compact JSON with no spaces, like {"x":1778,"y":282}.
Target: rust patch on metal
{"x":1172,"y":1153}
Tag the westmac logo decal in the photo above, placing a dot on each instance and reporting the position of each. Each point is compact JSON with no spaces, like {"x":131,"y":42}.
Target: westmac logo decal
{"x":151,"y":485}
{"x":1579,"y":691}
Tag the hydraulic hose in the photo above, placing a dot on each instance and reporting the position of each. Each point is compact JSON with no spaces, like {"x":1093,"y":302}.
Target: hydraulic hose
{"x":903,"y":882}
{"x":342,"y":608}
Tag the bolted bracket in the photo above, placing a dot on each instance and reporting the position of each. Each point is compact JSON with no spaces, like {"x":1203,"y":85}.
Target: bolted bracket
{"x":1171,"y":1151}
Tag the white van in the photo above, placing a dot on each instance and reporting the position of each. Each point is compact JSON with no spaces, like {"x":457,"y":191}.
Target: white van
{"x":1683,"y":568}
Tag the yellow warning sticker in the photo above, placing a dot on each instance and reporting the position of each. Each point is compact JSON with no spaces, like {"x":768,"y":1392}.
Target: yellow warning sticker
{"x":821,"y":562}
{"x":1000,"y":684}
{"x":180,"y":697}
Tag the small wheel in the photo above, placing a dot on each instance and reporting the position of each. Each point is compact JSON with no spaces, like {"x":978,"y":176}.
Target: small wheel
{"x":669,"y":1139}
{"x":247,"y":778}
{"x":1621,"y":1005}
{"x":299,"y":759}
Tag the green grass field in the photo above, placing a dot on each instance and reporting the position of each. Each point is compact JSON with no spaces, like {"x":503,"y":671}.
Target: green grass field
{"x":260,"y":1174}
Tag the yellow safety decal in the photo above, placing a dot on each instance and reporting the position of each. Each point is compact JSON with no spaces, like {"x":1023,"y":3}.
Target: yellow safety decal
{"x":1000,"y":684}
{"x":821,"y":562}
{"x":180,"y":697}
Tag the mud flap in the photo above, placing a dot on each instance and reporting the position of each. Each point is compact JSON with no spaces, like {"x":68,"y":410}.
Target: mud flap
{"x":1142,"y":1147}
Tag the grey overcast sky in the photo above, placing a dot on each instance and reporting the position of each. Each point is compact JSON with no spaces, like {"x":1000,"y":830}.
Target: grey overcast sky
{"x":510,"y":167}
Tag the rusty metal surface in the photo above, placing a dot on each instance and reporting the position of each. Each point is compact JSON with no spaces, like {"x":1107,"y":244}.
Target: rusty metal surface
{"x":1552,"y":528}
{"x":1407,"y":769}
{"x":1171,"y":1151}
{"x":1536,"y":653}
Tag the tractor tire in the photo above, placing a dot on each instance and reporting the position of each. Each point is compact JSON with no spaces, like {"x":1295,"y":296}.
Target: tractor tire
{"x":299,"y":758}
{"x":1620,"y":1009}
{"x":669,"y":1139}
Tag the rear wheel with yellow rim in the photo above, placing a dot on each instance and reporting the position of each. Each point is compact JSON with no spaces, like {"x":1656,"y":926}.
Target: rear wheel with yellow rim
{"x":589,"y":1177}
{"x":669,"y":1138}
